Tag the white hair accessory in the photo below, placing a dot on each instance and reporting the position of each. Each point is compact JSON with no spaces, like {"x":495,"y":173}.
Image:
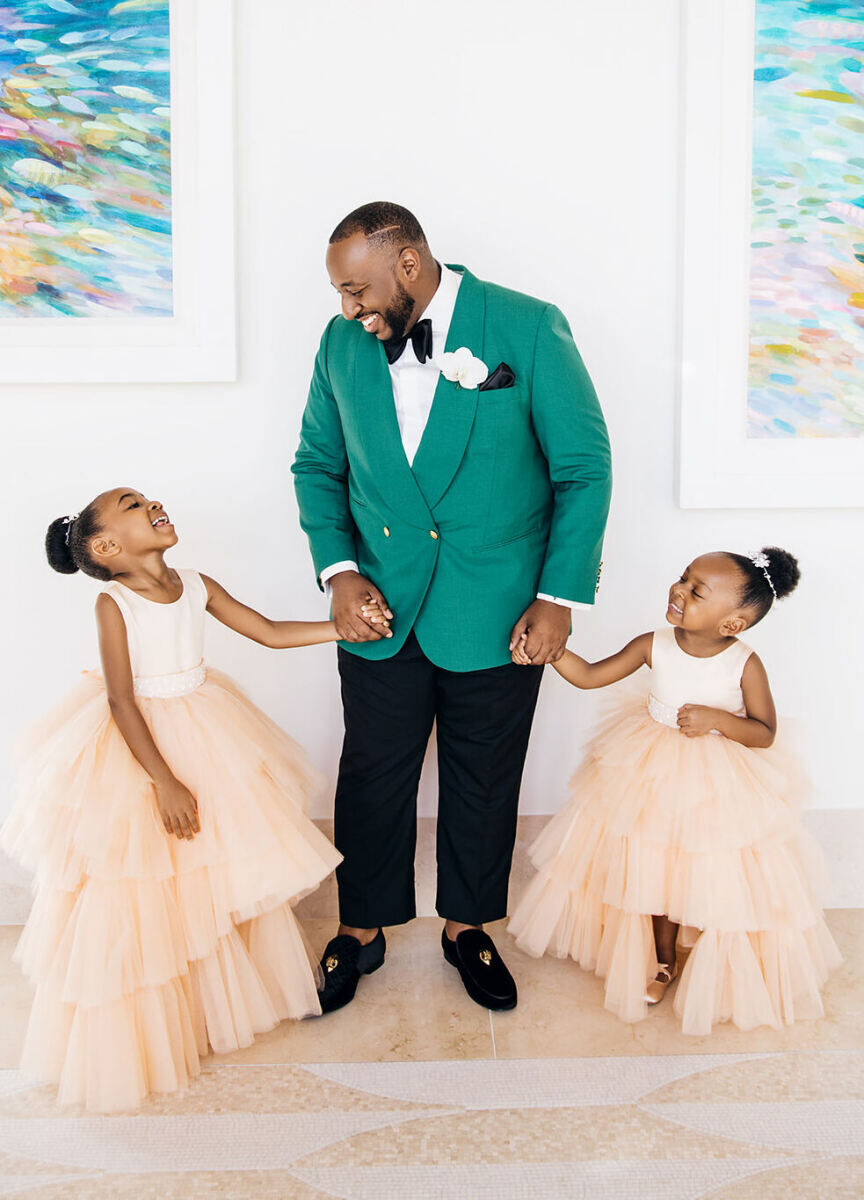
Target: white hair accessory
{"x":761,"y":561}
{"x":67,"y":521}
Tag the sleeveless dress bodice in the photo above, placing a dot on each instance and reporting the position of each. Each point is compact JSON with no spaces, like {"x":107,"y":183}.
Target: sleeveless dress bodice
{"x":166,"y":641}
{"x":678,"y":678}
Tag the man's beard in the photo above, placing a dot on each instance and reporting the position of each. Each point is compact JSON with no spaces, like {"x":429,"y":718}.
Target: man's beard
{"x":398,"y":313}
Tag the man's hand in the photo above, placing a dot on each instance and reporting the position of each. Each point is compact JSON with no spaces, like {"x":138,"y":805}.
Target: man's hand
{"x":547,"y":626}
{"x":360,"y":612}
{"x":695,"y":720}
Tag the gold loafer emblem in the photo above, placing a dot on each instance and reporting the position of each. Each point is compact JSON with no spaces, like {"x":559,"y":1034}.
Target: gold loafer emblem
{"x":332,"y":963}
{"x":486,"y":957}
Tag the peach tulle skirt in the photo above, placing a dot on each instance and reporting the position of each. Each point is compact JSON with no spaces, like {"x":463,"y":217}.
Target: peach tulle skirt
{"x":148,"y":951}
{"x":705,"y":831}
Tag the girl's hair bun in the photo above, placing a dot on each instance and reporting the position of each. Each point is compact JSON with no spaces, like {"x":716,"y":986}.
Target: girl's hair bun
{"x":57,"y":547}
{"x":783,"y":569}
{"x":767,"y":576}
{"x":67,"y":543}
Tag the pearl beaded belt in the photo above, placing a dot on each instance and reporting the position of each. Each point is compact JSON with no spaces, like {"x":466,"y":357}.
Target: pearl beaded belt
{"x":664,"y":713}
{"x":167,"y":687}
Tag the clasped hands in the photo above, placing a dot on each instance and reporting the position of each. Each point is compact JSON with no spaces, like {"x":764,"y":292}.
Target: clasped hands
{"x":540,"y":635}
{"x":361,"y":614}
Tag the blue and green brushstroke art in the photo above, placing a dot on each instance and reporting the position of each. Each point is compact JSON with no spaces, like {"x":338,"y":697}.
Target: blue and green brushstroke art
{"x":806,"y":375}
{"x":85,"y":159}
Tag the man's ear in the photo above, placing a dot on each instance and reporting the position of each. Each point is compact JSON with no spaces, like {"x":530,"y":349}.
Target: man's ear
{"x":734,"y":625}
{"x":409,"y":263}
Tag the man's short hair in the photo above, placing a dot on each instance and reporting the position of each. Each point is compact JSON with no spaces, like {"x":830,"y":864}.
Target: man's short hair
{"x":389,"y":223}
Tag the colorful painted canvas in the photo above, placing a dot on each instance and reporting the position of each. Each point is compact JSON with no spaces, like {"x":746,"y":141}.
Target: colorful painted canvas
{"x":85,"y":159}
{"x":806,"y":372}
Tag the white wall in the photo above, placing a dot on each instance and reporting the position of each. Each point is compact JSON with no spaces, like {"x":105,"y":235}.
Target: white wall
{"x":549,"y":164}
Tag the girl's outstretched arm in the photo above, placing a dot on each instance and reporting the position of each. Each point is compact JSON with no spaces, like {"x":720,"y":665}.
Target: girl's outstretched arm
{"x":177,"y":806}
{"x":756,"y":730}
{"x":278,"y":635}
{"x":583,"y":674}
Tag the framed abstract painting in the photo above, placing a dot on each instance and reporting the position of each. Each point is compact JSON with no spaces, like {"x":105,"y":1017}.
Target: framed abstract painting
{"x":772,"y":321}
{"x":116,"y":191}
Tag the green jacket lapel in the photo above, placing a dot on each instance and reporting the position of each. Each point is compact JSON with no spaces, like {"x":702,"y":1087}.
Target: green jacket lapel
{"x":445,"y":437}
{"x":376,"y":416}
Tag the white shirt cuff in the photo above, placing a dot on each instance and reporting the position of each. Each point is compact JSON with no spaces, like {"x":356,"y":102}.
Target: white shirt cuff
{"x":571,"y":604}
{"x":328,"y":573}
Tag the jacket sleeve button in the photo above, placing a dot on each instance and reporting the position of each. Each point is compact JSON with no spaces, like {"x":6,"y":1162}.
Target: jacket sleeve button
{"x":386,"y":531}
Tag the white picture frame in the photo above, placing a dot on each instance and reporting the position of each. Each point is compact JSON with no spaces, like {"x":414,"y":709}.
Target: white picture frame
{"x":719,"y":466}
{"x":197,"y":343}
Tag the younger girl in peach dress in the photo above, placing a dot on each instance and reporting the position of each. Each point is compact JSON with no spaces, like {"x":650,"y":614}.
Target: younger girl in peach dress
{"x":684,"y":817}
{"x":164,"y":818}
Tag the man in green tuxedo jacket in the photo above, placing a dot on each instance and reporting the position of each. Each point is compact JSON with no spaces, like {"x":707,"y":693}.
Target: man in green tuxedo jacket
{"x":453,"y":478}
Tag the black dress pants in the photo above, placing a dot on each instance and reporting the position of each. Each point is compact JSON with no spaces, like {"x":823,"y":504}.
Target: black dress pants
{"x":484,"y":722}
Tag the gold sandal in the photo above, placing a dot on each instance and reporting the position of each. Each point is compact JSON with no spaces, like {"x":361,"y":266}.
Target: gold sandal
{"x":656,"y":989}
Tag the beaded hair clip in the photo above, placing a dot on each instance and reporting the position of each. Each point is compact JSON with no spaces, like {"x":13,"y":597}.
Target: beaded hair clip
{"x":761,"y":560}
{"x":67,"y":521}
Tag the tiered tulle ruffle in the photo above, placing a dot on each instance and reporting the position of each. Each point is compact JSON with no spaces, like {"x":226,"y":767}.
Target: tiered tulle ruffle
{"x":705,"y":831}
{"x":146,"y":950}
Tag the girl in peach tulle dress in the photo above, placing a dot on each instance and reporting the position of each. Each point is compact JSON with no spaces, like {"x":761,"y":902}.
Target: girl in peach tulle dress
{"x":683,"y":826}
{"x":165,"y":819}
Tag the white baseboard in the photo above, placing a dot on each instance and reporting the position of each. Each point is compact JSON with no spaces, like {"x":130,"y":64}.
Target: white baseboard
{"x":839,"y":831}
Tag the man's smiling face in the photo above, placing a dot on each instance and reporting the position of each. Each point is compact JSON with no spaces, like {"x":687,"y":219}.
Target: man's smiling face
{"x":367,"y":278}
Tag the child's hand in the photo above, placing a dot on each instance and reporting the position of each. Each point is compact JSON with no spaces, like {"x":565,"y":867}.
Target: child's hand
{"x":695,"y":720}
{"x":373,"y":612}
{"x":178,"y":809}
{"x":518,"y":655}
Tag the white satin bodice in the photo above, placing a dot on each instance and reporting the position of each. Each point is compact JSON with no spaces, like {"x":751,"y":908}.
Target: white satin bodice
{"x":166,"y":641}
{"x":678,"y":678}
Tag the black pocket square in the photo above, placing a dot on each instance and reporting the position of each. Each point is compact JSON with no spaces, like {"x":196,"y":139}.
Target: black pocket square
{"x":501,"y":377}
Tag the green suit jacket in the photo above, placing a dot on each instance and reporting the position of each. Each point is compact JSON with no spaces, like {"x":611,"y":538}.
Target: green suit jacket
{"x":509,"y":490}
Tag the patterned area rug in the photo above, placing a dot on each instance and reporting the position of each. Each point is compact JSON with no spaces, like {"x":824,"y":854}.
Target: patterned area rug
{"x":744,"y":1126}
{"x":415,"y":1092}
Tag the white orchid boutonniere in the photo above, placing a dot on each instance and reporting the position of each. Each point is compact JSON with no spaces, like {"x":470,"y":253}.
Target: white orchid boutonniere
{"x":462,"y":368}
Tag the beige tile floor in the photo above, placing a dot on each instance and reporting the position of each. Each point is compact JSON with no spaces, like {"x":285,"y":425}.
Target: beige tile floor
{"x":414,"y":1009}
{"x":414,"y":1091}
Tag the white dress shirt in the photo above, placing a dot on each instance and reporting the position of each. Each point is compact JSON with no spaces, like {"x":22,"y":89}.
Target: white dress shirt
{"x":414,"y":385}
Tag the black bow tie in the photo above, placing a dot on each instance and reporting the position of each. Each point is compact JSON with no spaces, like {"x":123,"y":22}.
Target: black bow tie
{"x":420,"y":338}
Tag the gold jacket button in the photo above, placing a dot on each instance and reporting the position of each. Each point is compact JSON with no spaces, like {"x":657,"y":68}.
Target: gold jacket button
{"x":433,"y":534}
{"x":386,"y":531}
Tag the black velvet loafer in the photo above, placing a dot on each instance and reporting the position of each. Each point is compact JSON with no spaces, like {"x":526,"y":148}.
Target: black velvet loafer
{"x":487,"y":980}
{"x":343,"y":962}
